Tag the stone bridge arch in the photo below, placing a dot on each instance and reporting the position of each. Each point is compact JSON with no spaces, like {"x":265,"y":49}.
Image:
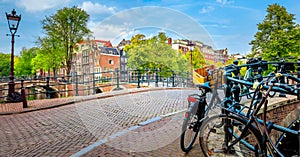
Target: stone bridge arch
{"x":41,"y":89}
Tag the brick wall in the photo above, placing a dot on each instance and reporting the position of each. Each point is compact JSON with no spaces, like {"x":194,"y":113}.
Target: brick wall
{"x":108,"y":62}
{"x":282,"y":113}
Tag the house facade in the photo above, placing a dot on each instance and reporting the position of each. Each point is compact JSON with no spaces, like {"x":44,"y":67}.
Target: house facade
{"x":95,"y":59}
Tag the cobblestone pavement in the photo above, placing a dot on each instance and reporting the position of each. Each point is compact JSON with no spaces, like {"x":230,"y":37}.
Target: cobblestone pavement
{"x":65,"y":130}
{"x":69,"y":129}
{"x":161,"y":138}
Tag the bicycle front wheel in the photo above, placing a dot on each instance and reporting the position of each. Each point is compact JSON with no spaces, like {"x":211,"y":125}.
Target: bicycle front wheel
{"x":219,"y":131}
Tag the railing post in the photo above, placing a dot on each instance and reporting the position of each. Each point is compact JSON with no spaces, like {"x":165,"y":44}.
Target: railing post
{"x":173,"y":78}
{"x":281,"y":78}
{"x":88,"y":87}
{"x":156,"y":77}
{"x":118,"y":78}
{"x":94,"y":84}
{"x":47,"y":87}
{"x":76,"y":84}
{"x":139,"y":78}
{"x":147,"y":77}
{"x":23,"y":93}
{"x":187,"y":79}
{"x":298,"y":85}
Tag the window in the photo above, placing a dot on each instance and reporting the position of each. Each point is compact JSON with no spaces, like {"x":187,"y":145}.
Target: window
{"x":110,"y":61}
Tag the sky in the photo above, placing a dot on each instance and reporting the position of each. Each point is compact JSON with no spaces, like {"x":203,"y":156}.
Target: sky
{"x":221,"y":24}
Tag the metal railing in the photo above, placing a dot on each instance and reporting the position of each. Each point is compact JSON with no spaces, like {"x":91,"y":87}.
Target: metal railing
{"x":37,"y":87}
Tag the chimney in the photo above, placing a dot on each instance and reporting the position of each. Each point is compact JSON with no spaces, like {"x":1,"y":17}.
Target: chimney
{"x":170,"y":41}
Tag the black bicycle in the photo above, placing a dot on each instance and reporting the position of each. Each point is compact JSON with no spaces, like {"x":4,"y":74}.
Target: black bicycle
{"x":198,"y":109}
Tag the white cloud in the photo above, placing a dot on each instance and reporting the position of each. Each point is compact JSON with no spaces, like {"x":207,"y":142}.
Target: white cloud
{"x":40,"y":5}
{"x":207,"y":9}
{"x":223,"y":2}
{"x":96,"y":8}
{"x":105,"y":31}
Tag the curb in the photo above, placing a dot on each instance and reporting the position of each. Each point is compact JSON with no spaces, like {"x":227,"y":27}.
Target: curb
{"x":97,"y":96}
{"x":122,"y":132}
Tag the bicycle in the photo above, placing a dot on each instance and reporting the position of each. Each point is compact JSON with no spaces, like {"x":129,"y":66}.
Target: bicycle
{"x":198,"y":109}
{"x":239,"y":132}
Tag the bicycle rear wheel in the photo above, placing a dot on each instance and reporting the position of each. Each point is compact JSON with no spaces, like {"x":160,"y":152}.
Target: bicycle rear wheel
{"x":218,"y":131}
{"x":190,"y":129}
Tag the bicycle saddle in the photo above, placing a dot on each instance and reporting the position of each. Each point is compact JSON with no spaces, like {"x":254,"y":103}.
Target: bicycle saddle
{"x":205,"y":86}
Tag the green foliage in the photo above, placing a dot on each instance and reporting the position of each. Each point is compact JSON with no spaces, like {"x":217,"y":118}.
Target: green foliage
{"x":154,"y":53}
{"x":277,"y":35}
{"x":65,"y":28}
{"x":23,"y":66}
{"x":240,"y":62}
{"x":50,"y":55}
{"x":4,"y":64}
{"x":198,"y":60}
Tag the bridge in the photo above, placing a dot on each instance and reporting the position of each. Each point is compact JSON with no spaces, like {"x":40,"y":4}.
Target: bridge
{"x":80,"y":85}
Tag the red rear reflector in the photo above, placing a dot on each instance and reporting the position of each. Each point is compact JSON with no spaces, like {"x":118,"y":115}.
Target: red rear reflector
{"x":191,"y":99}
{"x":186,"y":114}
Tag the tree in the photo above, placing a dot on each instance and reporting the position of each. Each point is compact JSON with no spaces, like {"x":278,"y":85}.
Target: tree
{"x":68,"y":26}
{"x":50,"y":55}
{"x":198,"y":59}
{"x":23,"y":66}
{"x":277,"y":35}
{"x":152,"y":53}
{"x":4,"y":64}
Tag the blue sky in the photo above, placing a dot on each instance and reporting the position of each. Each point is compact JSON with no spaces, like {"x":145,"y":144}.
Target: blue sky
{"x":220,"y":23}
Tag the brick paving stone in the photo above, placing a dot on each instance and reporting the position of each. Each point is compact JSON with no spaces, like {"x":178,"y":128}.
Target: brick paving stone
{"x":65,"y":130}
{"x":147,"y":146}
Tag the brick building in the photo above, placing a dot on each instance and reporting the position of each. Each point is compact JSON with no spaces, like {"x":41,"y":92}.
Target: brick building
{"x":94,"y":59}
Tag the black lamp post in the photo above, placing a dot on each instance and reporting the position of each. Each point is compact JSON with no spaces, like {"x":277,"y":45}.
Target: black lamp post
{"x":191,"y":49}
{"x":13,"y":23}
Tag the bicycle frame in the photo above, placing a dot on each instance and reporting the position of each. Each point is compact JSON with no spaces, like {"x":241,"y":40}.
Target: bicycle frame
{"x":252,"y":118}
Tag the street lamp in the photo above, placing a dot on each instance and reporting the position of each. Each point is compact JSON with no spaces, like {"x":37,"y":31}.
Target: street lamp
{"x":191,"y":49}
{"x":13,"y":23}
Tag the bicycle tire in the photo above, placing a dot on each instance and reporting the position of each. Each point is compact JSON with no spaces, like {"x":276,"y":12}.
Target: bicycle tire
{"x":189,"y":134}
{"x":212,"y":138}
{"x":190,"y":129}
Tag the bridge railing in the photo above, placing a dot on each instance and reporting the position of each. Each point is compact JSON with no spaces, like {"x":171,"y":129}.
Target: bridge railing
{"x":37,"y":87}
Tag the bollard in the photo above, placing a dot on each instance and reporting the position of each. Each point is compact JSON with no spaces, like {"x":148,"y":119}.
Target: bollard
{"x":23,"y":93}
{"x":47,"y":87}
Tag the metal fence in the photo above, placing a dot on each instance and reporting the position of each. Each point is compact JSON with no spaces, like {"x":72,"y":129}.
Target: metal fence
{"x":38,"y":87}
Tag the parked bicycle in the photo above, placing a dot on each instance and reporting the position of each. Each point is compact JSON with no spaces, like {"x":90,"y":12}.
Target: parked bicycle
{"x":238,"y":131}
{"x":198,"y":109}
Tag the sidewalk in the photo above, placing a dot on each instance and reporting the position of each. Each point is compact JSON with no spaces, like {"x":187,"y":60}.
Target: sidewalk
{"x":34,"y":105}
